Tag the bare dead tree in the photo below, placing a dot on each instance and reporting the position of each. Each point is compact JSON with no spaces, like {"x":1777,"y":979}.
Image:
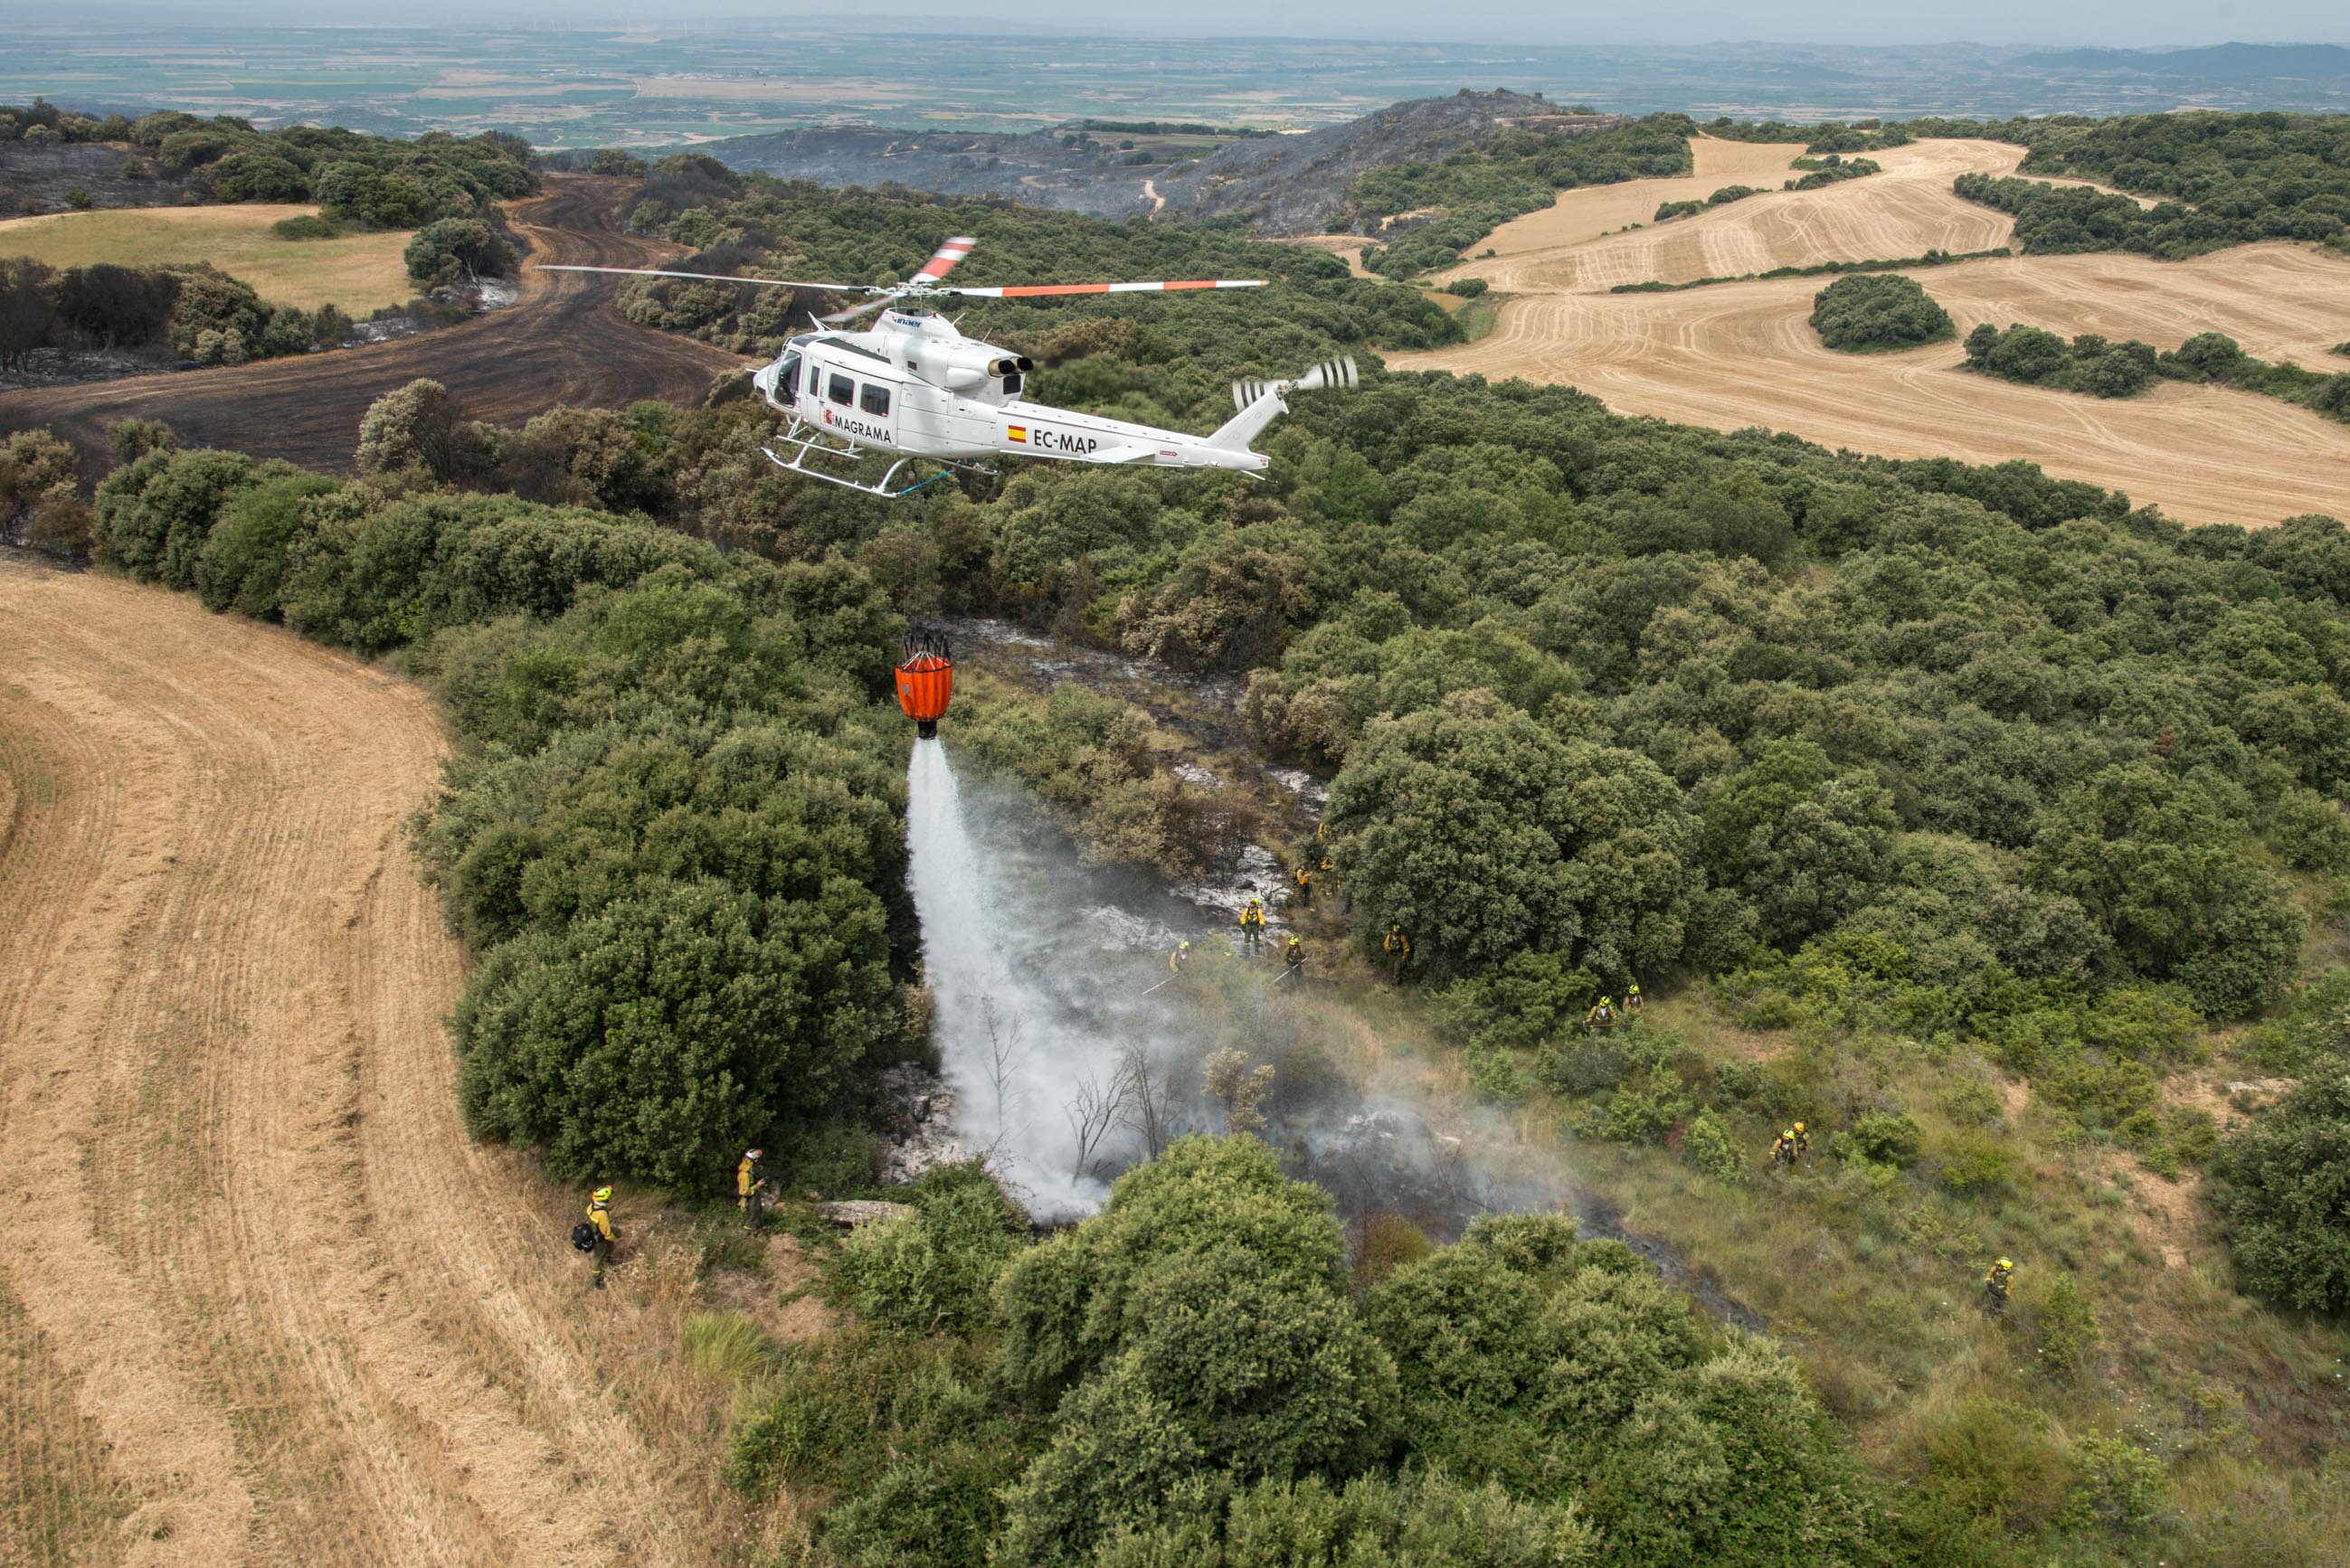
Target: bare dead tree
{"x":1147,"y":1101}
{"x":1093,"y":1110}
{"x":1005,"y":1055}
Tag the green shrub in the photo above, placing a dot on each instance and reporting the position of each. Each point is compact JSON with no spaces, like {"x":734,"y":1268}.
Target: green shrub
{"x":2068,"y":1328}
{"x":2282,"y":1186}
{"x":2000,"y":1461}
{"x":1887,"y":1139}
{"x":307,"y":226}
{"x":2115,"y":1484}
{"x":243,"y":562}
{"x":938,"y":1269}
{"x":1466,"y":287}
{"x":440,"y":251}
{"x":936,"y":1508}
{"x":1869,"y":311}
{"x":1064,"y":1304}
{"x":1712,"y":1150}
{"x":1418,"y":1518}
{"x":1974,"y":1165}
{"x":2315,"y":1026}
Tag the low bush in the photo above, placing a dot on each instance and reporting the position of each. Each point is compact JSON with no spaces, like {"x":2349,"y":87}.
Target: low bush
{"x":1869,"y":312}
{"x":938,"y":1269}
{"x":2284,"y":1188}
{"x":2096,"y":366}
{"x":1886,"y":1139}
{"x":1712,"y":1149}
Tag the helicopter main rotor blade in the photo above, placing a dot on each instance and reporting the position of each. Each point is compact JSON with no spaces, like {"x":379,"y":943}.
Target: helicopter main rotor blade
{"x":942,"y":261}
{"x":1038,"y":290}
{"x":854,"y":311}
{"x":722,"y":277}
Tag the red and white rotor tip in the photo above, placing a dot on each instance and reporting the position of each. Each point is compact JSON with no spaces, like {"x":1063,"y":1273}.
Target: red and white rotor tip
{"x":942,"y":259}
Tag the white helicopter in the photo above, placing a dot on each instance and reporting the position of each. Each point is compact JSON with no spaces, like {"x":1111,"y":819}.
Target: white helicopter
{"x":913,"y":385}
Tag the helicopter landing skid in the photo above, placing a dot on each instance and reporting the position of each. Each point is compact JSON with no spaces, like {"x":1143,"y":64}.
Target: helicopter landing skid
{"x":806,"y":446}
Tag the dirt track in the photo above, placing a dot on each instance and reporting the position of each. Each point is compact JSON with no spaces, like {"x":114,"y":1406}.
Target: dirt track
{"x":262,"y":1300}
{"x":564,"y":342}
{"x":1737,"y":355}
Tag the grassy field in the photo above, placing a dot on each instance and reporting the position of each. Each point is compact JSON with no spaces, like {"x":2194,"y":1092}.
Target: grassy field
{"x":356,"y":272}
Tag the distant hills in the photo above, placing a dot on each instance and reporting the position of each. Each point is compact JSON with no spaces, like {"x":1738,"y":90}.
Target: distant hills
{"x":2218,"y":63}
{"x":1281,"y":184}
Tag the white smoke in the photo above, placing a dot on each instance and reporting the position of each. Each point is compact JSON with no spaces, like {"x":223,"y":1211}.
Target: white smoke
{"x":1043,"y":1017}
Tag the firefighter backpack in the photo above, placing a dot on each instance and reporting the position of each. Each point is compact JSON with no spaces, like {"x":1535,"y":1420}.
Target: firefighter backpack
{"x":583,"y":1236}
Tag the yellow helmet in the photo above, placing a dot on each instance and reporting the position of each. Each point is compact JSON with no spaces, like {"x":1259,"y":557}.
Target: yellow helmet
{"x":2005,"y":1264}
{"x":1635,"y":989}
{"x":603,"y":1195}
{"x":1183,"y":947}
{"x":1603,"y":1001}
{"x":1799,"y":1126}
{"x":1788,"y":1134}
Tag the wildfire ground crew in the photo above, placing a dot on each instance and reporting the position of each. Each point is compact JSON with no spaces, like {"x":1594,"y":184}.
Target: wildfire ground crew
{"x":1304,"y":895}
{"x":1602,"y":1016}
{"x":1996,"y":1285}
{"x":1178,"y":958}
{"x":1294,"y":953}
{"x":1632,"y":1000}
{"x":599,"y":1215}
{"x":748,"y":1186}
{"x":1802,"y":1142}
{"x":1398,"y":947}
{"x":1252,"y":923}
{"x":1783,"y":1150}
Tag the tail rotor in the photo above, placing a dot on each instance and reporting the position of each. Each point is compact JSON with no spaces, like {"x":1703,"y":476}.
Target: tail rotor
{"x":1339,"y":374}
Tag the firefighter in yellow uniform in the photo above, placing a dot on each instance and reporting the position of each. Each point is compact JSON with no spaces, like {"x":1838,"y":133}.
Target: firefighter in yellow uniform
{"x":1178,"y":958}
{"x":748,"y":1186}
{"x":1782,"y":1151}
{"x":1305,"y":896}
{"x":1802,"y":1142}
{"x":1253,"y":924}
{"x":1295,"y":954}
{"x":1996,"y":1285}
{"x":599,"y":1215}
{"x":1398,"y":947}
{"x":1633,"y":1000}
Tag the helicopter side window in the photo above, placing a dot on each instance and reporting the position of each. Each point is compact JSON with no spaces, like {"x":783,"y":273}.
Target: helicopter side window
{"x":787,"y":380}
{"x":841,"y":390}
{"x":874,"y":399}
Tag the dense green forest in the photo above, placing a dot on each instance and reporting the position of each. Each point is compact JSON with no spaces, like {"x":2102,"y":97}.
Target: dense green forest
{"x":2223,"y":178}
{"x":371,"y":182}
{"x":2103,"y":369}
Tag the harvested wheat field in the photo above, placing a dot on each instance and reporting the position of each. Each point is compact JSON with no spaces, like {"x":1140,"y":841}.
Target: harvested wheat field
{"x":263,"y":1303}
{"x":357,"y":272}
{"x":1907,"y":209}
{"x":1738,"y":355}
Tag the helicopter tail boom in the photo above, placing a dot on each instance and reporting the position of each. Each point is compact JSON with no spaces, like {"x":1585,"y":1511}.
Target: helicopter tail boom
{"x":1262,"y":402}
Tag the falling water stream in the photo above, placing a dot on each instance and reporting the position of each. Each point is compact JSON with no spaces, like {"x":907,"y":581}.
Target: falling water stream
{"x":1048,"y":979}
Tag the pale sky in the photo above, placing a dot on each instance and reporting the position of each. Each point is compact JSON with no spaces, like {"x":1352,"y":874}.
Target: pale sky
{"x":2129,"y":24}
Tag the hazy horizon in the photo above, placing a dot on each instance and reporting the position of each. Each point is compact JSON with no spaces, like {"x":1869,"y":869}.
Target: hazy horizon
{"x":1997,"y":23}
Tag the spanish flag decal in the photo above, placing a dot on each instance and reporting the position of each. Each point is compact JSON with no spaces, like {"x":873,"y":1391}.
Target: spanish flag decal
{"x":1016,"y":432}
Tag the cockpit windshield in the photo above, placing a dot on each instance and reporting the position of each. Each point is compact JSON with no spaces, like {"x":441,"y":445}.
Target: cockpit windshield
{"x":788,"y":378}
